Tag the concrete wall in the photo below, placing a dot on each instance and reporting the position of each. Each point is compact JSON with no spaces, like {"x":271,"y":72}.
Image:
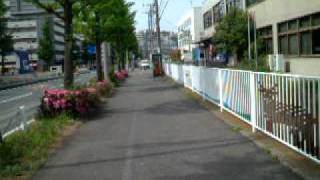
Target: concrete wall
{"x":305,"y":66}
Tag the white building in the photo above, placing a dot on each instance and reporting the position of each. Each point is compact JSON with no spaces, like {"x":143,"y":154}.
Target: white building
{"x":189,"y":32}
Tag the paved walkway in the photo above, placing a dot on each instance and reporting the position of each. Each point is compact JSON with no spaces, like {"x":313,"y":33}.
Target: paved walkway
{"x":151,"y":131}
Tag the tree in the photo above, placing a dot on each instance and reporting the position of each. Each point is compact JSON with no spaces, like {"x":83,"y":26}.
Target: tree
{"x":120,"y":29}
{"x":232,"y":32}
{"x":89,"y":22}
{"x":111,"y":21}
{"x":46,"y":48}
{"x":63,"y":9}
{"x":6,"y":41}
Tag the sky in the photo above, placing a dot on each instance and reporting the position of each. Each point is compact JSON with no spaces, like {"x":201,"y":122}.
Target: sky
{"x":172,"y":14}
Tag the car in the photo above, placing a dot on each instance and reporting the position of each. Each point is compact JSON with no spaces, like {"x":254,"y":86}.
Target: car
{"x":144,"y":64}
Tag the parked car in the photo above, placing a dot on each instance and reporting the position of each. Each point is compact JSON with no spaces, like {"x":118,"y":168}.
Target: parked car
{"x":144,"y":64}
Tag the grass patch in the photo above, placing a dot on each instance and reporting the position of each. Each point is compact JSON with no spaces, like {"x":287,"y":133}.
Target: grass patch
{"x":236,"y":129}
{"x":25,"y":151}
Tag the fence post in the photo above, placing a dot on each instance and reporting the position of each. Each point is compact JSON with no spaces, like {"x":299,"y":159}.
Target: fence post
{"x":22,"y":114}
{"x":220,"y":90}
{"x":253,"y":101}
{"x":1,"y":138}
{"x":191,"y":75}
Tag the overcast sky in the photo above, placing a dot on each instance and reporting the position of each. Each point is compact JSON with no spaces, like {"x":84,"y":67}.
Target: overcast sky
{"x":174,"y":11}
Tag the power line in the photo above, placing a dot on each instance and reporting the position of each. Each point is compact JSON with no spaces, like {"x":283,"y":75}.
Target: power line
{"x":165,"y":7}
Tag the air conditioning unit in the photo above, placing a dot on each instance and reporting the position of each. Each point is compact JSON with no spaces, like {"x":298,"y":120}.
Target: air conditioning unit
{"x":276,"y":63}
{"x":279,"y":63}
{"x":271,"y":62}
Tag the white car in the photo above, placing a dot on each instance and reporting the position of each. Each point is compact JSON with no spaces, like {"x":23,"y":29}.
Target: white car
{"x":144,"y":64}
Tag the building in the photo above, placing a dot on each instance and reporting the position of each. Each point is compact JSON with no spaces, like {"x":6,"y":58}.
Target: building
{"x":212,"y":12}
{"x":148,"y":42}
{"x":142,"y":37}
{"x":169,"y":41}
{"x":189,"y":31}
{"x":291,"y":28}
{"x":26,"y":21}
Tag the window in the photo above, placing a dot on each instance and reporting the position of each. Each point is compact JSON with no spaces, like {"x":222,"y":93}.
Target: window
{"x":316,"y":20}
{"x":293,"y":44}
{"x":316,"y":42}
{"x":300,"y":37}
{"x":293,"y":25}
{"x":18,"y":5}
{"x":306,"y":43}
{"x":233,"y":4}
{"x":266,"y":35}
{"x":283,"y":45}
{"x":283,"y":27}
{"x":207,"y":19}
{"x":217,"y":13}
{"x":252,"y":2}
{"x":305,"y":22}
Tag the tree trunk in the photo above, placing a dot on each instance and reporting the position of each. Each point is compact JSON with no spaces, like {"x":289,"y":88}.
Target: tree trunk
{"x":68,"y":64}
{"x":2,"y":64}
{"x":123,"y":64}
{"x":98,"y":49}
{"x":118,"y":59}
{"x":235,"y":56}
{"x":98,"y":60}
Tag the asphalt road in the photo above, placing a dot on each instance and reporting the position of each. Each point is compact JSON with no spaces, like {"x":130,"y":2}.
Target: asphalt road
{"x":29,"y":96}
{"x":152,"y":131}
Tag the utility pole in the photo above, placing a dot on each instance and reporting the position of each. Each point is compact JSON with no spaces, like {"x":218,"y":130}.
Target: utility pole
{"x":158,"y":32}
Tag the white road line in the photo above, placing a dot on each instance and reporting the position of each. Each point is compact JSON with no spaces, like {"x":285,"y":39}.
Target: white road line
{"x":16,"y":98}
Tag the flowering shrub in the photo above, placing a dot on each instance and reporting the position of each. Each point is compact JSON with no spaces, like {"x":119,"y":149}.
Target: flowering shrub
{"x":104,"y":88}
{"x":125,"y":73}
{"x":120,"y":76}
{"x":76,"y":102}
{"x":56,"y":101}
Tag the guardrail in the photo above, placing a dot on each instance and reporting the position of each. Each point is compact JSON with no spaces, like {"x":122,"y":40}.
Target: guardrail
{"x":17,"y":120}
{"x":285,"y":107}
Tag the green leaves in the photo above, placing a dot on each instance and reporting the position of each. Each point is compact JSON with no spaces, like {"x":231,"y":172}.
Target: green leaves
{"x":46,"y":48}
{"x":232,"y":32}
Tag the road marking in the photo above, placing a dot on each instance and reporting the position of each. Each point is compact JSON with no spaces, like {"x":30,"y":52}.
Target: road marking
{"x":16,"y":98}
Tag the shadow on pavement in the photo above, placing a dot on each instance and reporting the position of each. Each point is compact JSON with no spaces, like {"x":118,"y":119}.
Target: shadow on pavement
{"x":201,"y":146}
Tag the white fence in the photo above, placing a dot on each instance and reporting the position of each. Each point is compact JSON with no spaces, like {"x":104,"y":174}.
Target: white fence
{"x":285,"y":107}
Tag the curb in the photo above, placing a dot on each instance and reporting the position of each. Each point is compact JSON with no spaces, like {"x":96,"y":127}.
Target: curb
{"x":32,"y":82}
{"x":27,"y":83}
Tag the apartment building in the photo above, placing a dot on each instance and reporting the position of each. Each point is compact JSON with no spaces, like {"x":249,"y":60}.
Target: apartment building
{"x":291,"y":28}
{"x":26,"y":21}
{"x":189,"y":32}
{"x":148,"y":42}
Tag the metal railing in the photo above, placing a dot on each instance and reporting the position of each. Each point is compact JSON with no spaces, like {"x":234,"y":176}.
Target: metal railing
{"x":17,"y":120}
{"x":283,"y":106}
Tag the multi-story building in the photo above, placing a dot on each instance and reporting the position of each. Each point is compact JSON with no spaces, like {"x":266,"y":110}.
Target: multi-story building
{"x":26,"y":21}
{"x":212,"y":12}
{"x":148,"y":43}
{"x":189,"y":31}
{"x":291,"y":28}
{"x":142,"y":37}
{"x":169,"y":41}
{"x":288,"y":27}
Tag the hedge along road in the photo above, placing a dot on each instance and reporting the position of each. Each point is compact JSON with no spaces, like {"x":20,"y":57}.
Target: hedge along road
{"x":151,"y":130}
{"x":29,"y":95}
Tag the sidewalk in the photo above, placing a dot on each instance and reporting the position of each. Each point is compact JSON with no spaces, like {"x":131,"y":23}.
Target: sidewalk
{"x":151,"y":130}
